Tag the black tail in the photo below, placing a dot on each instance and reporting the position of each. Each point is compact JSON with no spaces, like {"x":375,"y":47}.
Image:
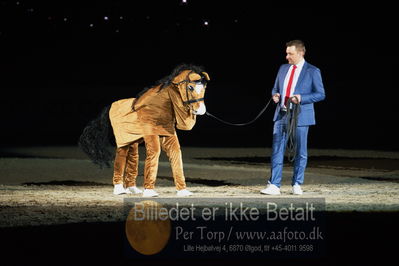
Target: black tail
{"x":95,"y":139}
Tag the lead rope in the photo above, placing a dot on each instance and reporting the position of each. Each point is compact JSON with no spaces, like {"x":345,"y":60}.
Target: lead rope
{"x":292,"y":123}
{"x":241,"y":124}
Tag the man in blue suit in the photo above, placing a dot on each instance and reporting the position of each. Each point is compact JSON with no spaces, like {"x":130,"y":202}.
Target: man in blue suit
{"x":302,"y":83}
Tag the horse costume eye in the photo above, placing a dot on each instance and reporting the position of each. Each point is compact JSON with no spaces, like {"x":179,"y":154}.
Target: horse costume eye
{"x":191,"y":88}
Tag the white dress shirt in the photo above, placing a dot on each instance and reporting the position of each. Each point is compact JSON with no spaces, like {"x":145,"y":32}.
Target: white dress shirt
{"x":298,"y":70}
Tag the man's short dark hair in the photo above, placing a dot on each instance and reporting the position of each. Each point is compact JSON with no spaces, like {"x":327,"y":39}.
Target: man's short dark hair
{"x":299,"y":45}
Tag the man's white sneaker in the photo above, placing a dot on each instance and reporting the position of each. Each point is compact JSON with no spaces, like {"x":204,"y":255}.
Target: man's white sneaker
{"x":271,"y":190}
{"x":150,"y":193}
{"x":133,"y":190}
{"x":297,"y":190}
{"x":119,"y":189}
{"x":184,"y":193}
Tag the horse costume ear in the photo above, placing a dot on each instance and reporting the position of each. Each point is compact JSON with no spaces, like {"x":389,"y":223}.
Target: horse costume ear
{"x":181,"y":77}
{"x":206,"y":76}
{"x":194,"y":76}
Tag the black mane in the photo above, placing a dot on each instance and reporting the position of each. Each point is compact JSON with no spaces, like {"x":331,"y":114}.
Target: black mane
{"x":166,"y":81}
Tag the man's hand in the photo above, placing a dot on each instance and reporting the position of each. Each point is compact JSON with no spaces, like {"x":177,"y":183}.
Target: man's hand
{"x":296,"y":98}
{"x":276,"y":97}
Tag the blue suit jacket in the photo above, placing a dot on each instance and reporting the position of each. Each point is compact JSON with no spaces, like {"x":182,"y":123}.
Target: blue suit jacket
{"x":309,"y":86}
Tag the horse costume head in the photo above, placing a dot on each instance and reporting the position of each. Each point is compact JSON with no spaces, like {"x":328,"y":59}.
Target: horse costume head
{"x":191,"y":86}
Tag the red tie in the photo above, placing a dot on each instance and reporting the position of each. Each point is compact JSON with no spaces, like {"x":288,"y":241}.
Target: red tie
{"x":288,"y":92}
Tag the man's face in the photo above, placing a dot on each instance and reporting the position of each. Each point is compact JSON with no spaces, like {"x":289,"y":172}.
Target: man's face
{"x":293,"y":55}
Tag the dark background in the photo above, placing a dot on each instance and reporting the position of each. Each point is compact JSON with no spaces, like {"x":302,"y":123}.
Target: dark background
{"x":57,"y":72}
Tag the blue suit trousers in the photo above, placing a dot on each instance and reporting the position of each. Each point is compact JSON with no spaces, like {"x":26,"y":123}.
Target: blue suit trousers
{"x":279,"y":144}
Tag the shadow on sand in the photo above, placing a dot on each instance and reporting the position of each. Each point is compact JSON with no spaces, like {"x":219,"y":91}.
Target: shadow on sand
{"x":319,"y":162}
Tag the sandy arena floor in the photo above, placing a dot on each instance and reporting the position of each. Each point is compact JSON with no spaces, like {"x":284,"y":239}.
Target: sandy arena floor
{"x":56,"y":185}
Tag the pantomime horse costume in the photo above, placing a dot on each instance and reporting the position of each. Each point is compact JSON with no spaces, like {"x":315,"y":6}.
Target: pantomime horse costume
{"x":151,"y":117}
